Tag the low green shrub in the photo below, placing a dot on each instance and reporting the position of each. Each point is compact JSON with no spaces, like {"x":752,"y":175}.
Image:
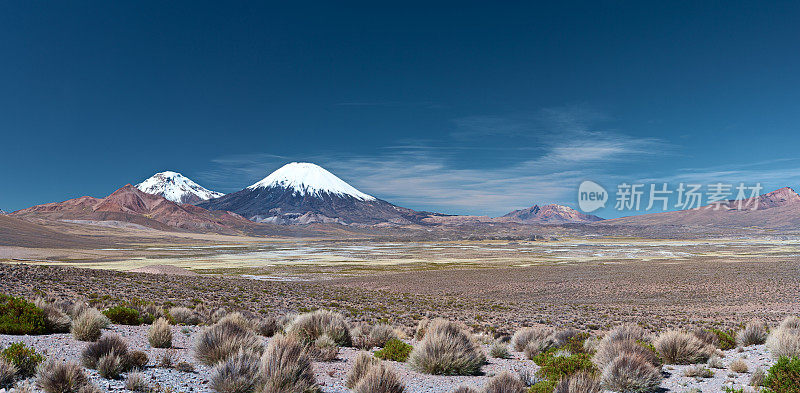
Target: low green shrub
{"x":544,"y":386}
{"x":19,"y":317}
{"x":784,"y":376}
{"x":726,"y":339}
{"x":554,"y":366}
{"x":122,"y":315}
{"x":25,"y":359}
{"x":394,"y":349}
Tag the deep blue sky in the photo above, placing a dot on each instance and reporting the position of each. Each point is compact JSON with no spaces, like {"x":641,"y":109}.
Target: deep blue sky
{"x":459,"y":107}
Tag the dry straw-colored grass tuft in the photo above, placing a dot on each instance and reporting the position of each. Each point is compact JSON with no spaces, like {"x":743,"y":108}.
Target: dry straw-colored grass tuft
{"x":447,"y":349}
{"x":310,"y":326}
{"x":676,"y":347}
{"x":59,"y":377}
{"x":380,"y":379}
{"x":580,"y":382}
{"x":160,"y":334}
{"x":224,"y":339}
{"x":754,"y":333}
{"x":631,"y":373}
{"x":504,"y":382}
{"x":236,"y":374}
{"x":285,"y":367}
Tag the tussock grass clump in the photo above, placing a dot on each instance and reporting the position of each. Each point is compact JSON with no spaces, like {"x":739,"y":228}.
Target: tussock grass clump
{"x":754,"y":333}
{"x":499,"y":350}
{"x":505,"y":382}
{"x":184,"y":316}
{"x":395,"y":350}
{"x":380,"y":334}
{"x":464,"y":389}
{"x":285,"y":367}
{"x":380,"y":379}
{"x":18,"y":317}
{"x":785,"y":340}
{"x":185,"y":367}
{"x":25,"y":359}
{"x":160,"y":334}
{"x":581,"y":382}
{"x":268,"y":326}
{"x":58,"y":377}
{"x":738,"y":366}
{"x":447,"y":349}
{"x":57,"y":321}
{"x":110,"y":366}
{"x":676,"y":347}
{"x":8,"y":373}
{"x":109,"y":344}
{"x":236,"y":374}
{"x":627,"y":331}
{"x":137,"y":382}
{"x":715,"y":362}
{"x":136,"y":360}
{"x":324,"y":349}
{"x":758,"y":376}
{"x":224,"y":339}
{"x":422,"y":327}
{"x":631,"y":373}
{"x":89,"y":324}
{"x":707,"y":336}
{"x":364,"y":361}
{"x":310,"y":326}
{"x":698,"y":371}
{"x":523,"y":337}
{"x":608,"y":350}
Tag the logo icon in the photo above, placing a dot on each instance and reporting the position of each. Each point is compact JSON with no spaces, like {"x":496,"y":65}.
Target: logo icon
{"x":591,"y":196}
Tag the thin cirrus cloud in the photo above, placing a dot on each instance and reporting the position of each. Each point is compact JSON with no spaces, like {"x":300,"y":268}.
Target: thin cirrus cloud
{"x":423,"y":176}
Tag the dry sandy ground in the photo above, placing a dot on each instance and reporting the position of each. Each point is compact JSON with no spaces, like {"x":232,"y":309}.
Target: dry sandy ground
{"x":331,"y":375}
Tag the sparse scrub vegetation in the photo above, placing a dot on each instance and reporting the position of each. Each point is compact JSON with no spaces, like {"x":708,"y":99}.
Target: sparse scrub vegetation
{"x":738,"y":366}
{"x":324,"y":349}
{"x":137,"y":360}
{"x":447,"y":349}
{"x":57,"y":321}
{"x":160,"y":334}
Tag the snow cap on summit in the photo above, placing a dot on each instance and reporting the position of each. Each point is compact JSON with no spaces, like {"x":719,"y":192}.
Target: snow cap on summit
{"x":305,"y":178}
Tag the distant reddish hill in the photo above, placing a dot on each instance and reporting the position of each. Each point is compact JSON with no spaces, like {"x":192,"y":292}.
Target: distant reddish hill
{"x":130,"y":205}
{"x":549,"y":214}
{"x":779,"y":209}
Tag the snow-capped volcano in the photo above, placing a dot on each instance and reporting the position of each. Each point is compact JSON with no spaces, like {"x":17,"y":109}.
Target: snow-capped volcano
{"x":176,"y":188}
{"x":301,"y":192}
{"x":305,"y":178}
